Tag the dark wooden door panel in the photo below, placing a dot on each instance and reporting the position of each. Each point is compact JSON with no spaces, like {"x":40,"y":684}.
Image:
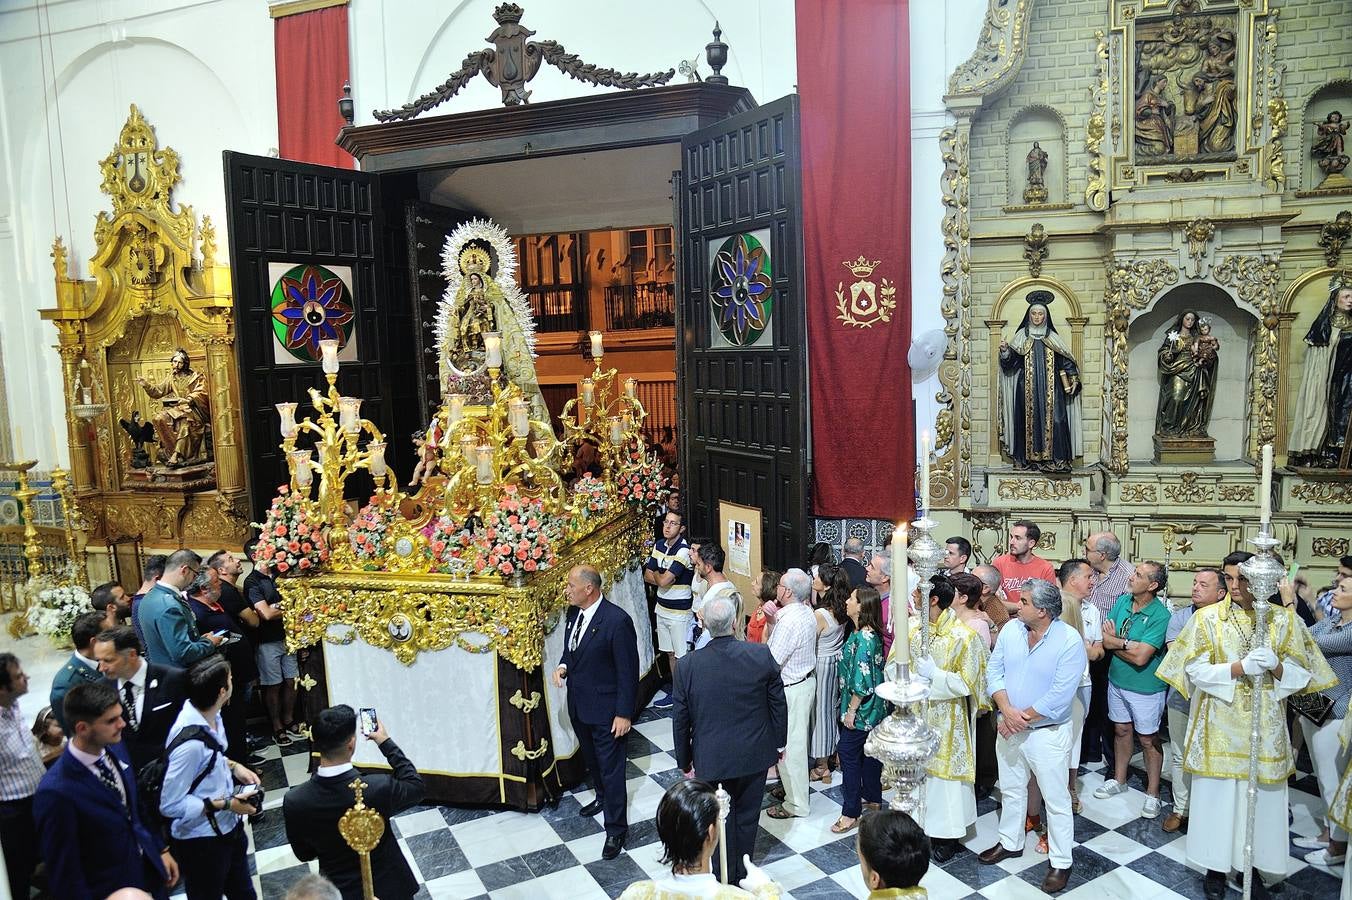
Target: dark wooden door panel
{"x":743,"y":409}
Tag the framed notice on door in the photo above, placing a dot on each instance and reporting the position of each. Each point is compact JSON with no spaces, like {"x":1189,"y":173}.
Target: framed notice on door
{"x":739,"y":531}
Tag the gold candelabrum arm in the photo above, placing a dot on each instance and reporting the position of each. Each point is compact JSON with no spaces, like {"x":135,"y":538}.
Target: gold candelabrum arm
{"x":32,"y":548}
{"x":610,"y":417}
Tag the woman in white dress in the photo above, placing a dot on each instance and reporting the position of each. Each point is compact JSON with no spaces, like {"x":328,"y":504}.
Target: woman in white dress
{"x":831,"y":586}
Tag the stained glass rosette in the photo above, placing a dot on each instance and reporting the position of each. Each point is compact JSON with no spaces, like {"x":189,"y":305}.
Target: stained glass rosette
{"x":311,"y":304}
{"x":740,"y":289}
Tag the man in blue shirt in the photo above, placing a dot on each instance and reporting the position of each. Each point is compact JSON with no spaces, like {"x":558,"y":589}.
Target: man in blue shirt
{"x":205,"y":793}
{"x":670,"y":570}
{"x":166,"y":623}
{"x":1033,"y":676}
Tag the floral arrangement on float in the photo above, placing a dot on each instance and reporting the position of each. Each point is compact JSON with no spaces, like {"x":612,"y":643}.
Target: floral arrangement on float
{"x":517,"y":538}
{"x":56,"y":609}
{"x":644,"y":488}
{"x":590,"y":498}
{"x":369,"y":531}
{"x":291,"y":538}
{"x":448,"y":541}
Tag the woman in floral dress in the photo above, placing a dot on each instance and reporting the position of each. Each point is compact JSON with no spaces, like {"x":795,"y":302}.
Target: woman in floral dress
{"x":861,"y":671}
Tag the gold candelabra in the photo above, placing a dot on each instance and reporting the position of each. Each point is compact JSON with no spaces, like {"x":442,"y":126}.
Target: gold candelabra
{"x":32,"y":549}
{"x":338,"y":450}
{"x":608,"y":417}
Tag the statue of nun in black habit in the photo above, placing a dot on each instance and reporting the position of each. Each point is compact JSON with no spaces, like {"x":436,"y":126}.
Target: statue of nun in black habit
{"x":1040,"y":422}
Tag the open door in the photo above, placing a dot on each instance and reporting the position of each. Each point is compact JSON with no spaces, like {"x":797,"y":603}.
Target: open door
{"x":741,"y":326}
{"x":296,"y":220}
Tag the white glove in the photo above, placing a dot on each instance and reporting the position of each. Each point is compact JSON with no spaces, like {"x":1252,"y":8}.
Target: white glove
{"x":1258,"y":661}
{"x":925,"y":667}
{"x":755,"y":875}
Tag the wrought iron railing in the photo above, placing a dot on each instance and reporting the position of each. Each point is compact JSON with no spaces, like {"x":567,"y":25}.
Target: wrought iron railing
{"x":558,"y":308}
{"x":635,"y":306}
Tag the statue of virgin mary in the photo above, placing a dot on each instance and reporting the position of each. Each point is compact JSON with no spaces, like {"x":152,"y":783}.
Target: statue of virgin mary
{"x":482,"y":297}
{"x":1322,"y":419}
{"x":1040,"y":422}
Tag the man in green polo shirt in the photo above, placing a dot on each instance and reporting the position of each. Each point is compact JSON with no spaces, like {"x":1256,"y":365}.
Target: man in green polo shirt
{"x":1133,"y":635}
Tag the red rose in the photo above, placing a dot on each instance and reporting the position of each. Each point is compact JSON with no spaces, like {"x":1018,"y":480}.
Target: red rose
{"x":283,"y":565}
{"x":279,"y":531}
{"x":520,"y":554}
{"x":307,"y":547}
{"x":305,"y":564}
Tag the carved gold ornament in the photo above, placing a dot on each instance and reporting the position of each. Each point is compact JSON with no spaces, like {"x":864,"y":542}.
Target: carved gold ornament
{"x":864,"y":303}
{"x":999,"y":49}
{"x":1037,"y":489}
{"x":953,"y":472}
{"x":1323,"y":493}
{"x":1035,"y":249}
{"x":1255,"y":279}
{"x":1326,"y":546}
{"x":1198,"y":233}
{"x":1333,"y":235}
{"x":1188,"y":490}
{"x":1131,"y":285}
{"x":1139,"y":493}
{"x":1096,"y":190}
{"x":1236,"y":493}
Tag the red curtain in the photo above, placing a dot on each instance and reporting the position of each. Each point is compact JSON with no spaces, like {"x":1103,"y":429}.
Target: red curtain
{"x":311,"y":50}
{"x":854,"y":89}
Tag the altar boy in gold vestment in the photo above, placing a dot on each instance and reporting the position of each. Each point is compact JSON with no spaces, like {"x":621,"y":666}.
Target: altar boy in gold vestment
{"x":1340,"y":808}
{"x":956,"y":670}
{"x":1216,"y":658}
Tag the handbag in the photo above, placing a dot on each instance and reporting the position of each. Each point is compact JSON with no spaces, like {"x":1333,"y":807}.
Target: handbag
{"x":1316,"y":707}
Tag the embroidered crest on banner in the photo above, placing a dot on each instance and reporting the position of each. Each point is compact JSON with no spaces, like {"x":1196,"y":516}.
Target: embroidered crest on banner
{"x":865,"y":302}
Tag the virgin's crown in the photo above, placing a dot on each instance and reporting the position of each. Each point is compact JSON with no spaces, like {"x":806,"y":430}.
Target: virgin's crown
{"x":861,"y":267}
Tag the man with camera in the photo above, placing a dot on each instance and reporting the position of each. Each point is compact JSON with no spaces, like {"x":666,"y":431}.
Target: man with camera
{"x":205,"y":794}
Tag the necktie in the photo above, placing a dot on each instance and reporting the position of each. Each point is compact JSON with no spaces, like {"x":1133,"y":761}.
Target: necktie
{"x":108,"y":778}
{"x":576,"y":637}
{"x":129,"y":701}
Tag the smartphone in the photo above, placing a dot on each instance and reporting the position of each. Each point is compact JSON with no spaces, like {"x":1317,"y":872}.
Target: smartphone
{"x":247,"y":790}
{"x":366,"y":716}
{"x":222,"y":633}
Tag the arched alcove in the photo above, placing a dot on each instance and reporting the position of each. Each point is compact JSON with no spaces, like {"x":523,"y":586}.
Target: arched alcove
{"x":1333,"y":97}
{"x":1230,"y":325}
{"x":1044,"y":126}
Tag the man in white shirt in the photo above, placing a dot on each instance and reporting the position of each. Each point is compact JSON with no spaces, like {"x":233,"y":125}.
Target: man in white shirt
{"x":151,"y":694}
{"x":1076,"y":577}
{"x":709,"y":558}
{"x":793,"y":643}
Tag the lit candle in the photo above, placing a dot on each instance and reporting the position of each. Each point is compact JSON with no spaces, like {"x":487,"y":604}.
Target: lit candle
{"x":588,"y":392}
{"x":597,"y":344}
{"x":288,"y":413}
{"x":300,"y":465}
{"x":329,"y":350}
{"x":924,"y":470}
{"x":349,"y":414}
{"x":55,"y":443}
{"x":376,"y":458}
{"x":631,"y":388}
{"x":901,"y":639}
{"x":467,"y":449}
{"x":484,"y":470}
{"x":616,"y":430}
{"x":492,"y":350}
{"x":519,"y":416}
{"x":1265,"y":493}
{"x":456,"y":410}
{"x":18,"y":444}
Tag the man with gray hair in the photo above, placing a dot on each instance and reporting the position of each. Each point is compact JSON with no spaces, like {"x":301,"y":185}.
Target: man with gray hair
{"x":1103,"y":552}
{"x":793,"y":643}
{"x":728,"y":717}
{"x":168,"y":626}
{"x":852,"y":562}
{"x":1033,"y":676}
{"x":990,"y":602}
{"x":314,"y":887}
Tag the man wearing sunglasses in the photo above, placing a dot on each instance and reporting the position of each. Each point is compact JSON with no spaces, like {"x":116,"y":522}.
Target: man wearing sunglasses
{"x":167,"y":624}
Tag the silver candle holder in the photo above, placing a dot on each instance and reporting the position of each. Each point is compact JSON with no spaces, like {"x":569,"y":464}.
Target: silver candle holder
{"x":926,"y":556}
{"x":1262,"y":572}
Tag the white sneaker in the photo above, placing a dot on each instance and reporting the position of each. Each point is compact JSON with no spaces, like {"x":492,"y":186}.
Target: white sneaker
{"x":1151,"y":808}
{"x":1310,"y":843}
{"x":1109,"y":788}
{"x":1325,"y":858}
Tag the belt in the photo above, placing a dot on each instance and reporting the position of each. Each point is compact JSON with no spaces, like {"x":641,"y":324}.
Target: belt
{"x":22,"y":801}
{"x":801,"y":680}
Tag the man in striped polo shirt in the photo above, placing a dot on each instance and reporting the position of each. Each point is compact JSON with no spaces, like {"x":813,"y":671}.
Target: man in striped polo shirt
{"x":670,"y":570}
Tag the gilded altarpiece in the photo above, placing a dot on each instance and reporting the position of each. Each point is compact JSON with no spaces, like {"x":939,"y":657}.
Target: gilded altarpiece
{"x":155,"y":289}
{"x":1178,"y":145}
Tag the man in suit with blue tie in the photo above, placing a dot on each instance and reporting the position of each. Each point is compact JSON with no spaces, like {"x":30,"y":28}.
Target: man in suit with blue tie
{"x":89,"y":829}
{"x":81,"y":668}
{"x":600,"y":664}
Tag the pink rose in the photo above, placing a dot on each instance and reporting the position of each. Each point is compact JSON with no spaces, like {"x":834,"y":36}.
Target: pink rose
{"x":283,"y":565}
{"x":439,"y":547}
{"x":279,"y":531}
{"x":530,"y":565}
{"x":520,"y":554}
{"x":305,"y":564}
{"x":505,"y":568}
{"x":307,"y":547}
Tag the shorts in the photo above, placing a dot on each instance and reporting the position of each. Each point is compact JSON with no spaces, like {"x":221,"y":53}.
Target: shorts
{"x":1143,"y":711}
{"x":673,"y":630}
{"x":275,"y":664}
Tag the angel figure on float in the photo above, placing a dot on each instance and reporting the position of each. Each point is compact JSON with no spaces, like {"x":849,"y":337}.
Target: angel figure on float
{"x":1040,"y":420}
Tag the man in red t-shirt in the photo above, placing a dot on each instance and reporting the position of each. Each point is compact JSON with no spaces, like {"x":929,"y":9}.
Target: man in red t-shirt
{"x":1021,"y":563}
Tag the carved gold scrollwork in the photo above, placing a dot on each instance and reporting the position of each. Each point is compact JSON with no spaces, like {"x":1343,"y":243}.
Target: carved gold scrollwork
{"x":1096,"y":191}
{"x":525,"y":704}
{"x":1273,"y":74}
{"x":1188,"y":490}
{"x":953,"y":475}
{"x":999,"y":50}
{"x":521,"y":753}
{"x":1236,"y":493}
{"x":1131,"y":284}
{"x":1139,"y":493}
{"x":1326,"y":546}
{"x":1254,"y":279}
{"x":1037,"y":489}
{"x":1323,"y":493}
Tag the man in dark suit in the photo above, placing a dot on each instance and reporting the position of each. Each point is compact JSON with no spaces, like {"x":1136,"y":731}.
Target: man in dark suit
{"x":89,"y":829}
{"x":81,"y":668}
{"x":151,"y":694}
{"x":600,"y":663}
{"x":312,"y":810}
{"x":852,"y":561}
{"x":730,"y":719}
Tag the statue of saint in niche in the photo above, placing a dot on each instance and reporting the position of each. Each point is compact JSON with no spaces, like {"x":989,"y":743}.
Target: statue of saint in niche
{"x":1322,"y":416}
{"x":181,"y":425}
{"x":1039,"y":393}
{"x":1036,"y":189}
{"x":1330,"y":140}
{"x":1188,"y":359}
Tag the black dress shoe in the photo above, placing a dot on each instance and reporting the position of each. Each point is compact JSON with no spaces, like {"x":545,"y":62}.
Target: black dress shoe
{"x":614,"y":844}
{"x":943,"y":849}
{"x":1213,"y":885}
{"x":591,"y":808}
{"x":983,"y":790}
{"x":1056,"y":879}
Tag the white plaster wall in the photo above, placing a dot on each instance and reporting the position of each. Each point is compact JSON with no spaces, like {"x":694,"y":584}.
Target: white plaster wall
{"x":202,"y":74}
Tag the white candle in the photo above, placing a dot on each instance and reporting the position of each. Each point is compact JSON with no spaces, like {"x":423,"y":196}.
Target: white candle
{"x":901,"y":638}
{"x":18,"y":444}
{"x":288,"y":413}
{"x":519,"y":416}
{"x":376,"y":458}
{"x":456,"y":410}
{"x":588,"y":392}
{"x":1265,"y":492}
{"x":329,"y":351}
{"x":924,"y":470}
{"x":631,"y":388}
{"x":493,"y":350}
{"x":349,"y":414}
{"x":467,"y":449}
{"x":484,"y":471}
{"x":597,"y":345}
{"x":616,"y":430}
{"x":300,"y":465}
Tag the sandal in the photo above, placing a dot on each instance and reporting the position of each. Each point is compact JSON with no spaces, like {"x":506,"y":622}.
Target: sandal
{"x":777,"y":792}
{"x":841,"y":828}
{"x":822,"y":775}
{"x":779,"y":812}
{"x":1042,"y":844}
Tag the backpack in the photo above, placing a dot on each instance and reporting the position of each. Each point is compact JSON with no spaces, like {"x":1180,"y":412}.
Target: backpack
{"x":150,"y":780}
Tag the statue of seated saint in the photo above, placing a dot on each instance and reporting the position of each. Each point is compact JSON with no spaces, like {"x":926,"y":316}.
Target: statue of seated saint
{"x":181,"y":425}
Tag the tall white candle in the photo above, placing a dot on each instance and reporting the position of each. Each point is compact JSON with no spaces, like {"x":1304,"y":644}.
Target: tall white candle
{"x":484,"y":470}
{"x":924,"y":470}
{"x":376,"y":455}
{"x":329,"y":351}
{"x":456,"y":408}
{"x":588,"y":392}
{"x":597,"y":344}
{"x":288,"y":413}
{"x":631,"y":388}
{"x":1265,"y":492}
{"x":493,"y":350}
{"x":349,"y":414}
{"x":901,"y":638}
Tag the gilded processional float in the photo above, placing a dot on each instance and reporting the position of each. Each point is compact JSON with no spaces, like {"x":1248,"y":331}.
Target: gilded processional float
{"x":440,"y":607}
